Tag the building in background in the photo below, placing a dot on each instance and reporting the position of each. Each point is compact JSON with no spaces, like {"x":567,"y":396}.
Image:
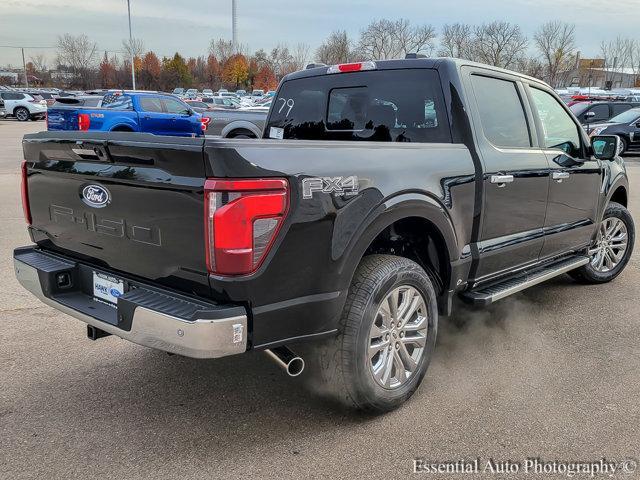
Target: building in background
{"x":594,"y":72}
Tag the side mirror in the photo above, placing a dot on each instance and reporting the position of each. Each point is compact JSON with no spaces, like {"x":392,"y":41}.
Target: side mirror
{"x":605,"y":147}
{"x":637,"y":125}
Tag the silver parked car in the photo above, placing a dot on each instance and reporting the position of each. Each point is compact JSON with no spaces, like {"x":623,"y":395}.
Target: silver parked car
{"x":236,"y":123}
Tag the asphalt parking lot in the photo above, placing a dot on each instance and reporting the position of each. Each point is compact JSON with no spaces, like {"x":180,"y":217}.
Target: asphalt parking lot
{"x":553,"y":372}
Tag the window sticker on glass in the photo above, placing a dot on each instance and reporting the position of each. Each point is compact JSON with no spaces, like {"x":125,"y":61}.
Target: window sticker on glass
{"x":276,"y":132}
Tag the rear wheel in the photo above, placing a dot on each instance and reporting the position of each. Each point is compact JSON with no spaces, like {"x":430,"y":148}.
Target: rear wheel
{"x":22,"y":114}
{"x":241,"y":134}
{"x":612,"y":248}
{"x":386,"y":338}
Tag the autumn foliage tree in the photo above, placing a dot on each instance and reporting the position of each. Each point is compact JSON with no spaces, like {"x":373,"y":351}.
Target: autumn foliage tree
{"x":175,"y":73}
{"x":150,"y":71}
{"x":236,"y":70}
{"x":213,"y":71}
{"x":265,"y":79}
{"x":107,"y":71}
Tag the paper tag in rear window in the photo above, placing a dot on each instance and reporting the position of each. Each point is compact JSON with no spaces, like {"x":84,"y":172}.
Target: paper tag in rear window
{"x":275,"y":132}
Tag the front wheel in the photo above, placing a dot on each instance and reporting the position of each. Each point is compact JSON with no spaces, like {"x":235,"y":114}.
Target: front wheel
{"x":610,"y":252}
{"x":622,"y":149}
{"x":386,"y":338}
{"x":22,"y":114}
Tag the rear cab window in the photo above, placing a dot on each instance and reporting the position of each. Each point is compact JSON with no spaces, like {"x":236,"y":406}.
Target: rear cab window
{"x":117,"y":102}
{"x":404,"y":105}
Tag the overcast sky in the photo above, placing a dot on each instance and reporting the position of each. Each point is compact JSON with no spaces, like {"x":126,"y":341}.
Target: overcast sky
{"x":187,"y":26}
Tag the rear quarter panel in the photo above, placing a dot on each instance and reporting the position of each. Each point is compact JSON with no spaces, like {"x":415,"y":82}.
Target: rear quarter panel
{"x":301,"y":287}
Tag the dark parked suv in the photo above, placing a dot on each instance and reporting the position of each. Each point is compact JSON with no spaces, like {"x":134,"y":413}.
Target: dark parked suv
{"x":589,"y":113}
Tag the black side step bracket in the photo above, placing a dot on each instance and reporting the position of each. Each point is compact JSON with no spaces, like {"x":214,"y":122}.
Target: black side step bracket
{"x":486,"y":295}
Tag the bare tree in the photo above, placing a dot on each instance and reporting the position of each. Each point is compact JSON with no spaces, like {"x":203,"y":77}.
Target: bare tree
{"x":556,"y":43}
{"x":79,"y":54}
{"x":531,"y":66}
{"x":498,"y":43}
{"x":222,"y":49}
{"x":337,"y":48}
{"x":386,"y":39}
{"x":456,"y":41}
{"x":634,"y":59}
{"x":134,"y":48}
{"x":617,"y":54}
{"x":299,"y":56}
{"x":40,"y":63}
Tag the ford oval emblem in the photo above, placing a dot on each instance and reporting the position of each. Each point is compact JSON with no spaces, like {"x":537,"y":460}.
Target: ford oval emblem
{"x":115,"y":292}
{"x":95,"y":196}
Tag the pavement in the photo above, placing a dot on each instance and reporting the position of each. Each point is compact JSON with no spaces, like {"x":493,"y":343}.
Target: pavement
{"x":551,"y":373}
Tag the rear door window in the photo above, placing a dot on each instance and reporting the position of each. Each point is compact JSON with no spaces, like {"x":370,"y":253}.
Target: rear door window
{"x":151,"y":104}
{"x":384,"y":106}
{"x":501,"y":112}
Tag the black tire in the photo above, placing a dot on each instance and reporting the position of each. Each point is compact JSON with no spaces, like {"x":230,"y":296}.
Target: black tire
{"x":624,"y":146}
{"x":342,"y":363}
{"x":22,"y":114}
{"x":588,"y":273}
{"x":241,"y":134}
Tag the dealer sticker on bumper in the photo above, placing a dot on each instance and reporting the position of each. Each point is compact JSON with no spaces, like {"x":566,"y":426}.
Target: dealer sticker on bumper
{"x":107,"y":288}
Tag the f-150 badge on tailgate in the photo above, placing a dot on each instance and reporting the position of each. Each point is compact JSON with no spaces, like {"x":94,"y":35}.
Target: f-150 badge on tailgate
{"x":95,"y":196}
{"x":336,"y":185}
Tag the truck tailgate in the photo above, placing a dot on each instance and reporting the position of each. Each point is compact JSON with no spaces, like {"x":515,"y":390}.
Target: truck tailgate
{"x":62,"y":118}
{"x":128,"y":202}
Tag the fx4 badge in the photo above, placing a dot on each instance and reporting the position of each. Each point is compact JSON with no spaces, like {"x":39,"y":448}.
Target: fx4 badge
{"x":335,"y":185}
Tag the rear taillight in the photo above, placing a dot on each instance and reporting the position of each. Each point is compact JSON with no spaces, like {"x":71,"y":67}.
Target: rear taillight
{"x":26,"y":209}
{"x":242,"y":220}
{"x":84,"y":121}
{"x":204,"y":121}
{"x":351,"y":67}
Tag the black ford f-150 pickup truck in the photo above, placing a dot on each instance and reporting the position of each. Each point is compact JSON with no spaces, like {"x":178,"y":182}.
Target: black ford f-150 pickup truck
{"x":379,"y":191}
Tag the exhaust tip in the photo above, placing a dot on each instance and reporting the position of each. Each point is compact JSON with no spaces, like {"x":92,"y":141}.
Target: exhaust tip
{"x":287,"y":360}
{"x":295,"y":367}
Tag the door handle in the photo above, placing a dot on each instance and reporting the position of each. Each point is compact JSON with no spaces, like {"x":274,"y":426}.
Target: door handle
{"x":559,"y":176}
{"x":501,"y":180}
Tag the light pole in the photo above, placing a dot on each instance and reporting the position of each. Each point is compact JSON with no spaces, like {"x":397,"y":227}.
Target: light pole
{"x":24,"y":66}
{"x":133,"y":68}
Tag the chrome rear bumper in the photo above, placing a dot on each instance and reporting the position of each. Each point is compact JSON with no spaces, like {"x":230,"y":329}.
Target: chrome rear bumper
{"x":197,"y":338}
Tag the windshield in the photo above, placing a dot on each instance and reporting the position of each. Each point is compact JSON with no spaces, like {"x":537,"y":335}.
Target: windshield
{"x":627,"y":117}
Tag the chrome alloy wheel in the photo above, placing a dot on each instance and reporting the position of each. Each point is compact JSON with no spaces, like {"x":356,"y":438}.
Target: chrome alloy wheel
{"x":398,"y":336}
{"x":611,"y":245}
{"x":22,"y":114}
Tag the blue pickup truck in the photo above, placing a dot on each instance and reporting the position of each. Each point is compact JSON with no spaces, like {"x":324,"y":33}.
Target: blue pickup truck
{"x":120,"y":111}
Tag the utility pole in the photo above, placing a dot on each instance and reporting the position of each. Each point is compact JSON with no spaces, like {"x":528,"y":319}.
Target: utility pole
{"x":24,"y":66}
{"x":133,"y":68}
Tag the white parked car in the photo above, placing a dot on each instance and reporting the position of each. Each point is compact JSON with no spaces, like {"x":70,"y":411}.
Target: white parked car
{"x":23,"y":106}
